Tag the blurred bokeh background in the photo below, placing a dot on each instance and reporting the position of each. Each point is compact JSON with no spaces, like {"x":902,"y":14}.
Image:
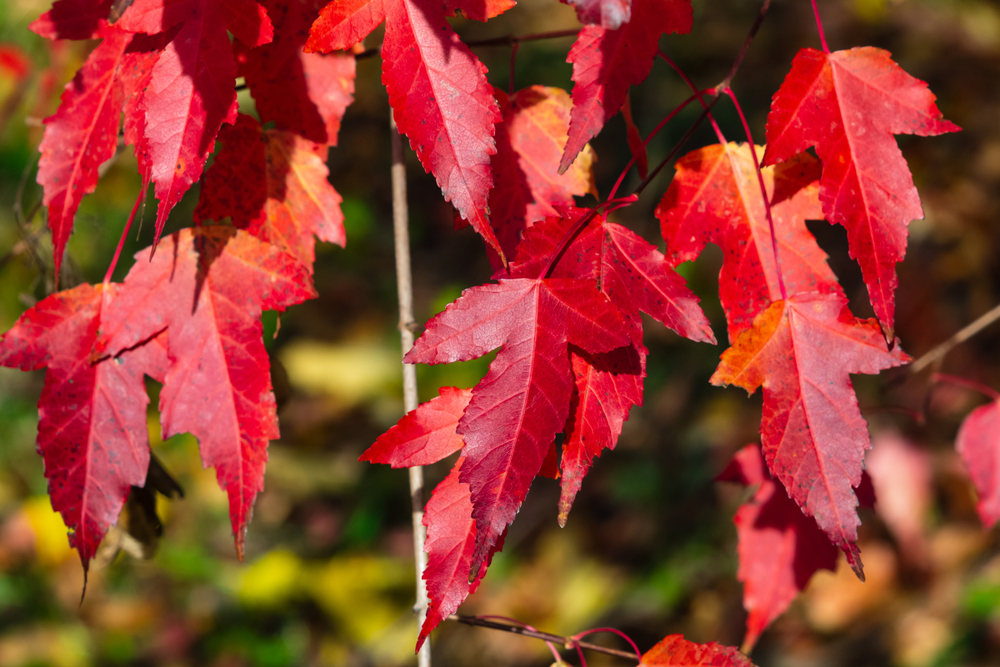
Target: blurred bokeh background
{"x":650,"y":546}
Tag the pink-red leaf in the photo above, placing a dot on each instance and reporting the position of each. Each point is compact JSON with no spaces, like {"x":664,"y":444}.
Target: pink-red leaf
{"x":606,"y":62}
{"x":424,"y":435}
{"x":344,"y":23}
{"x":814,"y":437}
{"x":451,"y":541}
{"x":848,"y":104}
{"x":779,"y":549}
{"x":523,"y":401}
{"x":273,"y":184}
{"x":207,"y":289}
{"x":607,"y":386}
{"x":675,"y":651}
{"x":443,"y":103}
{"x":610,"y":14}
{"x":305,"y":93}
{"x":92,"y":431}
{"x":81,"y":136}
{"x":715,"y":197}
{"x":978,"y":443}
{"x":530,"y":142}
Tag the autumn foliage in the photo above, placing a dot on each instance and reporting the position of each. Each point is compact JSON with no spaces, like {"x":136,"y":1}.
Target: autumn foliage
{"x":564,"y":307}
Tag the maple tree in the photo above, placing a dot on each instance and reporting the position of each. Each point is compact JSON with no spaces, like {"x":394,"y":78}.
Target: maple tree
{"x":565,"y":304}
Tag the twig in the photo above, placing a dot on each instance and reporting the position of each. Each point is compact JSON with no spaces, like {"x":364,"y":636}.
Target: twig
{"x":507,"y":40}
{"x":963,"y":335}
{"x":746,"y":46}
{"x":404,"y":282}
{"x":567,"y":642}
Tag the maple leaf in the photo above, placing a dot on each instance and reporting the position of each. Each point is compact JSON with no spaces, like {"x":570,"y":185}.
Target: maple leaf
{"x":207,"y":289}
{"x":674,"y":650}
{"x":425,"y":435}
{"x":92,"y":431}
{"x":606,"y":62}
{"x":607,"y":386}
{"x":814,"y":437}
{"x":635,"y":277}
{"x":848,"y":104}
{"x":191,"y":90}
{"x":715,"y":197}
{"x":306,"y":93}
{"x":516,"y":410}
{"x":610,"y":14}
{"x":81,"y":136}
{"x":779,"y":549}
{"x":73,"y":19}
{"x":977,"y":444}
{"x":450,"y":545}
{"x":438,"y":91}
{"x":530,"y":142}
{"x":273,"y":184}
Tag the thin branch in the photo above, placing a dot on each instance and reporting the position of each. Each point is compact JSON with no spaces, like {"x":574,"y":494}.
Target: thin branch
{"x":746,"y":46}
{"x":404,"y":282}
{"x":963,"y":335}
{"x":568,"y":643}
{"x":507,"y":40}
{"x":967,"y":383}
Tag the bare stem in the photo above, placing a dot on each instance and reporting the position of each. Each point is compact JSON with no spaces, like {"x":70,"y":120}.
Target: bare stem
{"x":960,"y":337}
{"x":819,"y":27}
{"x":746,"y":46}
{"x":404,"y":282}
{"x":568,"y":643}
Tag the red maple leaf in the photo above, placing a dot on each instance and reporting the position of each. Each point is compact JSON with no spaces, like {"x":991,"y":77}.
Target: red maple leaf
{"x":273,"y":184}
{"x":530,"y":142}
{"x":81,"y":136}
{"x":438,"y":91}
{"x":848,"y":104}
{"x":207,"y":289}
{"x":606,"y":62}
{"x":978,"y":443}
{"x":523,"y":401}
{"x":779,"y":549}
{"x":73,"y":19}
{"x":305,"y":93}
{"x":635,"y":277}
{"x":425,"y":435}
{"x":814,"y":437}
{"x":675,"y":651}
{"x":715,"y":197}
{"x":92,"y":431}
{"x":450,"y":545}
{"x":191,"y":89}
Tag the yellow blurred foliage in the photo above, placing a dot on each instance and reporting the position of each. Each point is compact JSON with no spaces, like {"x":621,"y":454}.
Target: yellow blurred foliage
{"x":51,"y":540}
{"x":355,"y":591}
{"x":350,"y":372}
{"x":271,"y":580}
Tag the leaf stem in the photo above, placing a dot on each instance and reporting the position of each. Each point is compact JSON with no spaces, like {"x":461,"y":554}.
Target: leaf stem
{"x":656,"y":130}
{"x":819,"y":28}
{"x":404,"y":282}
{"x":763,"y":193}
{"x":567,"y":642}
{"x":968,"y":384}
{"x":128,"y":224}
{"x":698,"y":93}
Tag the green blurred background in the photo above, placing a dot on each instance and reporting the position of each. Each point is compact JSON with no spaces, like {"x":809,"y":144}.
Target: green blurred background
{"x":649,"y":547}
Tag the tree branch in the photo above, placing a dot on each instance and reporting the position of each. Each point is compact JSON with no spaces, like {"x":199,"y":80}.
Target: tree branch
{"x":404,"y":283}
{"x":567,"y":642}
